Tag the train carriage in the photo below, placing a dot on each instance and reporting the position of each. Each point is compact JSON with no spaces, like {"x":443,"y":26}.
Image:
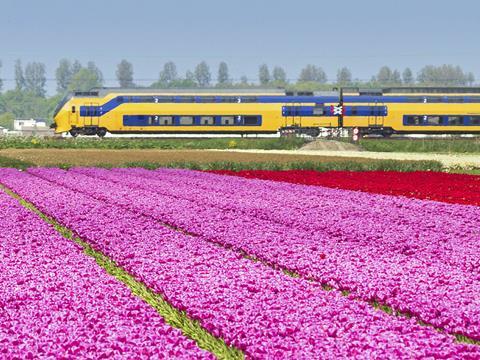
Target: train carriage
{"x":209,"y":111}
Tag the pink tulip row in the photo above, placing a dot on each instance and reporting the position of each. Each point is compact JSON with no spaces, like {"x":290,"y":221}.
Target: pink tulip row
{"x":57,"y":302}
{"x":304,"y":207}
{"x":431,"y":289}
{"x":260,"y":310}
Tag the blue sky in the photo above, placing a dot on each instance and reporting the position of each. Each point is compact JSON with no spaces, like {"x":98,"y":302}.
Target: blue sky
{"x":362,"y":35}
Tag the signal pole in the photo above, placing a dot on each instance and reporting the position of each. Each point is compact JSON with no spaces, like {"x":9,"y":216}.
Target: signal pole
{"x":340,"y":105}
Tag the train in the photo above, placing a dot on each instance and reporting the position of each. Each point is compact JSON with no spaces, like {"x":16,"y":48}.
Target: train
{"x":384,"y":112}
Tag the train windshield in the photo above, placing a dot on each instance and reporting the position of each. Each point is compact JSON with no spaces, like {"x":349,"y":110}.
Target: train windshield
{"x":61,"y":103}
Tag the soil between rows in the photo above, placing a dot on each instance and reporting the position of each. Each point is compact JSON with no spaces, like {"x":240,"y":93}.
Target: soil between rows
{"x":92,"y":157}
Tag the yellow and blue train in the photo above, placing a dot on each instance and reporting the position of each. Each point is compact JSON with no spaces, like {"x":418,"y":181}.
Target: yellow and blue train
{"x":383,"y":111}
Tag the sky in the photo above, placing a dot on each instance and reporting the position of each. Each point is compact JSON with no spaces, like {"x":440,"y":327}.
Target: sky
{"x":362,"y":35}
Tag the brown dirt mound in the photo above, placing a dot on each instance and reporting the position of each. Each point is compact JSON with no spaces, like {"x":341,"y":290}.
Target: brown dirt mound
{"x":330,"y":145}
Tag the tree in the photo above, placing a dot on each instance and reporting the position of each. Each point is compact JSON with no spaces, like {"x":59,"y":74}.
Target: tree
{"x":384,"y":75}
{"x":63,"y":74}
{"x":223,"y":77}
{"x":312,"y":73}
{"x":125,"y":74}
{"x":243,"y":80}
{"x":407,"y":76}
{"x":168,"y":75}
{"x":85,"y":80}
{"x":264,"y":74}
{"x":19,"y":78}
{"x":35,"y":78}
{"x":279,"y":75}
{"x":470,"y":78}
{"x":396,"y":78}
{"x":6,"y":120}
{"x":76,"y":67}
{"x":95,"y":70}
{"x":189,"y":81}
{"x":344,"y":76}
{"x":448,"y":75}
{"x":202,"y":74}
{"x":25,"y":104}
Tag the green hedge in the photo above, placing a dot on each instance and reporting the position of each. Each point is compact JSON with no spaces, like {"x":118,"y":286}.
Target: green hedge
{"x":422,"y":145}
{"x":151,"y":143}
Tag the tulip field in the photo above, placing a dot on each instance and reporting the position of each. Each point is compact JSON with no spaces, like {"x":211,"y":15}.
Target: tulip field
{"x":271,"y":265}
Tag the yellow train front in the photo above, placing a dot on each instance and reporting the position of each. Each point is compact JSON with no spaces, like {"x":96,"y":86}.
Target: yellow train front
{"x":384,"y":111}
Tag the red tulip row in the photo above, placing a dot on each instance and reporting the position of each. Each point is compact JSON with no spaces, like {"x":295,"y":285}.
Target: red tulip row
{"x":450,"y":188}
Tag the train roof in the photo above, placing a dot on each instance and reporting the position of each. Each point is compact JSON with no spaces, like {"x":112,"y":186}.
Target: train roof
{"x":419,"y":90}
{"x":101,"y":92}
{"x":412,"y":90}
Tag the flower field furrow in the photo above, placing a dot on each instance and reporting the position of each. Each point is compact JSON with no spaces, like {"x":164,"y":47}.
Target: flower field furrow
{"x":258,"y":309}
{"x":450,"y":188}
{"x":426,"y":287}
{"x":388,"y":221}
{"x":57,"y":302}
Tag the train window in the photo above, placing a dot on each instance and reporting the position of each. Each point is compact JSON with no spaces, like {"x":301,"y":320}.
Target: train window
{"x":150,"y":120}
{"x":162,"y":99}
{"x":475,"y":120}
{"x":185,"y":99}
{"x":434,"y":120}
{"x":354,"y":111}
{"x":185,"y":120}
{"x":414,"y":120}
{"x":73,"y":109}
{"x":455,"y":120}
{"x":227,"y":120}
{"x":147,"y":99}
{"x":165,"y":120}
{"x":250,"y":120}
{"x":206,"y":99}
{"x":207,"y":120}
{"x":230,"y":99}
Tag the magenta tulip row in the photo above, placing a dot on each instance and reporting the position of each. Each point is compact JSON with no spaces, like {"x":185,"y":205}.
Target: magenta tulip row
{"x":429,"y":288}
{"x":413,"y":227}
{"x":262,"y":311}
{"x":57,"y":302}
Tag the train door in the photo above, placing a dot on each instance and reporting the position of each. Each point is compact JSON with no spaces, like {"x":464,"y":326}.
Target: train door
{"x":375,"y":114}
{"x":91,"y":115}
{"x":73,"y":116}
{"x":289,"y":115}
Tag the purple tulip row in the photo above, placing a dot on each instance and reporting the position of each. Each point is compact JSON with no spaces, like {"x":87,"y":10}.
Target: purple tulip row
{"x":386,"y":220}
{"x":57,"y":302}
{"x":262,"y":311}
{"x":429,"y":288}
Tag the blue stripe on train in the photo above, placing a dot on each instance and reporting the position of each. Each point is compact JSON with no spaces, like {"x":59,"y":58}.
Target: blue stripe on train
{"x":328,"y":111}
{"x":159,"y":120}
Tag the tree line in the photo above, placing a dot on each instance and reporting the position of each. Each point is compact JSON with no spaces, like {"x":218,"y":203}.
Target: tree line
{"x":73,"y":76}
{"x":28,"y":98}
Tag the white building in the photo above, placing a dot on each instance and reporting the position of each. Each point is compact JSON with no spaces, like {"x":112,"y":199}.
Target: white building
{"x":30,"y":123}
{"x":31,"y":127}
